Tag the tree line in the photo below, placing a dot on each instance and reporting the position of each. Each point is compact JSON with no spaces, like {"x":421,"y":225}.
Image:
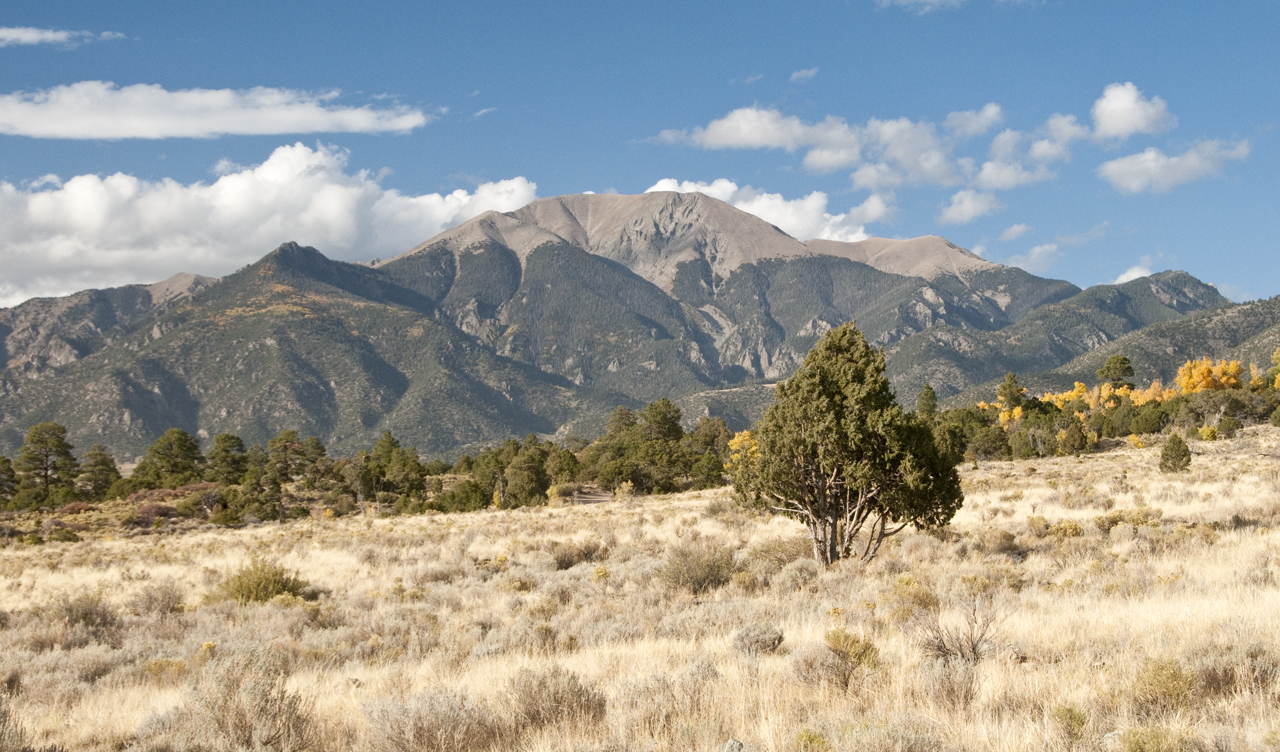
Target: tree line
{"x":642,"y":451}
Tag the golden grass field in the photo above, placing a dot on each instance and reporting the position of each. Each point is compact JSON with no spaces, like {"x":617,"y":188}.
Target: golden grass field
{"x":1028,"y":624}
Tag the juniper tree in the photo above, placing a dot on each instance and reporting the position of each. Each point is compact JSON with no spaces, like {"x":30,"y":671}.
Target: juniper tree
{"x":927,"y":402}
{"x":45,"y":461}
{"x":1175,"y":457}
{"x":99,"y":472}
{"x":836,"y":452}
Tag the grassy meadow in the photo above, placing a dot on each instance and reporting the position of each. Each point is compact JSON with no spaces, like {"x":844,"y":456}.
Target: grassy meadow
{"x":1084,"y":603}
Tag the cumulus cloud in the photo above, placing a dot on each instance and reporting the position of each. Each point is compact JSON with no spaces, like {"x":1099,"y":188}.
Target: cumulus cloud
{"x":1037,"y":260}
{"x":801,"y":76}
{"x":897,"y":151}
{"x":1122,"y":111}
{"x":972,"y":123}
{"x":26,"y":35}
{"x":90,"y":231}
{"x":804,"y":218}
{"x":102,"y":110}
{"x":1152,"y":170}
{"x":1013,"y":232}
{"x":1137,"y":271}
{"x":968,"y":205}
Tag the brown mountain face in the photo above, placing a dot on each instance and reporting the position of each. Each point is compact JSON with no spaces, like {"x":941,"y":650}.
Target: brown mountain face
{"x":538,"y":320}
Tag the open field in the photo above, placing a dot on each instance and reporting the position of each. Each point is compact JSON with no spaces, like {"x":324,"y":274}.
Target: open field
{"x":1087,"y":603}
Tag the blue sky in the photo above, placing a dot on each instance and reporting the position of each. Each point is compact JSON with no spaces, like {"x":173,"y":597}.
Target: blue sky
{"x":1087,"y":141}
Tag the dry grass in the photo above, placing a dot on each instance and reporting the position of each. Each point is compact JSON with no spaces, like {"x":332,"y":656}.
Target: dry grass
{"x":1027,"y":624}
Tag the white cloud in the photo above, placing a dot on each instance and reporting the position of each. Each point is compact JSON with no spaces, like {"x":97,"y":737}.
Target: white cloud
{"x":901,"y":150}
{"x":1152,"y":170}
{"x":804,"y":218}
{"x":801,"y":76}
{"x":1037,"y":260}
{"x":25,"y":35}
{"x":921,"y":6}
{"x":968,"y":205}
{"x":1137,"y":271}
{"x":485,"y":111}
{"x":972,"y":123}
{"x":90,"y":231}
{"x":1013,"y":232}
{"x":1122,"y":111}
{"x":1055,"y":139}
{"x":102,"y":110}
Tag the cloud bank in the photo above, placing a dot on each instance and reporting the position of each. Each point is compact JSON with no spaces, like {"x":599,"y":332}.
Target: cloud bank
{"x":26,"y":35}
{"x":91,"y":231}
{"x":803,"y":218}
{"x":102,"y":110}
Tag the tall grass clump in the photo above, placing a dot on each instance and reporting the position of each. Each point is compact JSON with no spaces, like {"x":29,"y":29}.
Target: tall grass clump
{"x":260,"y":581}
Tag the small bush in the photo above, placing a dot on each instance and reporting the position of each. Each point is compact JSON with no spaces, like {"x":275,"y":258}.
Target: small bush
{"x":1175,"y":457}
{"x":858,"y":650}
{"x":950,"y":682}
{"x":1163,"y":686}
{"x":698,"y":566}
{"x":757,"y":639}
{"x":1070,"y":722}
{"x":441,"y":721}
{"x":543,"y":698}
{"x":160,"y":599}
{"x":260,"y":581}
{"x":568,"y":554}
{"x":237,"y":702}
{"x":796,"y":575}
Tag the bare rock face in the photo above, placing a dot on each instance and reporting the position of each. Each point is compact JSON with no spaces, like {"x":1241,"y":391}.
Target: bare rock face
{"x":652,"y":234}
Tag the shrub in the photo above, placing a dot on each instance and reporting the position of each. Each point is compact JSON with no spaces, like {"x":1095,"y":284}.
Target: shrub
{"x":543,"y":698}
{"x":441,"y":721}
{"x":260,"y":581}
{"x":162,"y":598}
{"x":698,"y":566}
{"x":568,"y":554}
{"x":796,"y":575}
{"x":1275,"y":417}
{"x":1175,"y":457}
{"x":85,"y":618}
{"x":835,"y":663}
{"x":1163,"y":686}
{"x":757,"y":639}
{"x":969,"y":642}
{"x":237,"y":702}
{"x":949,"y":682}
{"x":1070,"y":723}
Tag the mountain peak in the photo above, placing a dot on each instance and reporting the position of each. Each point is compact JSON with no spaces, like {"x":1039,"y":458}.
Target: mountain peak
{"x":928,"y":256}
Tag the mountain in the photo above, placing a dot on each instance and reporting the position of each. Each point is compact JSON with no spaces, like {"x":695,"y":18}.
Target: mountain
{"x":539,"y":320}
{"x":953,"y":360}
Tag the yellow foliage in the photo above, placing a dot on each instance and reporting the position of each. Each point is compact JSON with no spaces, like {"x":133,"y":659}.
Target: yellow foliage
{"x":742,"y":447}
{"x":1209,"y":433}
{"x":1080,"y":392}
{"x":1136,"y":442}
{"x":1206,"y":374}
{"x":1257,"y":378}
{"x":1154,"y":393}
{"x":1010,"y":416}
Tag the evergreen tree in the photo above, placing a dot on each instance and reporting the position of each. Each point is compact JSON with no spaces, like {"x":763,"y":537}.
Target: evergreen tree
{"x":1010,"y":392}
{"x":227,"y":461}
{"x":45,"y":463}
{"x":660,"y":421}
{"x":1117,"y":371}
{"x":8,"y":480}
{"x":99,"y":472}
{"x":1175,"y":457}
{"x":838,"y":453}
{"x":173,"y":460}
{"x":927,"y":403}
{"x":1073,"y":439}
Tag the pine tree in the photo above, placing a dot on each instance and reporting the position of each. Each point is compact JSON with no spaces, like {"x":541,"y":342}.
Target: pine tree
{"x":227,"y":461}
{"x":1117,"y":370}
{"x":45,"y":461}
{"x":1175,"y":457}
{"x":838,"y":453}
{"x":99,"y":472}
{"x":927,"y":402}
{"x":173,"y":460}
{"x":8,"y":480}
{"x":1010,"y":392}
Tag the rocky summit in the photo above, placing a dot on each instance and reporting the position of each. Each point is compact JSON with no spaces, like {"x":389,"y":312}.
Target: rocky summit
{"x":540,"y":321}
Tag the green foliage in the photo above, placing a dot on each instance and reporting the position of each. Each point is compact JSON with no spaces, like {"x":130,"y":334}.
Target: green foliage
{"x":227,"y":461}
{"x":8,"y":480}
{"x":1117,"y":370}
{"x":98,"y":473}
{"x":260,"y":581}
{"x":837,"y":452}
{"x":990,"y":443}
{"x":173,"y":460}
{"x":45,"y":470}
{"x":1010,"y":393}
{"x":1073,"y":439}
{"x":927,"y":402}
{"x":1175,"y":457}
